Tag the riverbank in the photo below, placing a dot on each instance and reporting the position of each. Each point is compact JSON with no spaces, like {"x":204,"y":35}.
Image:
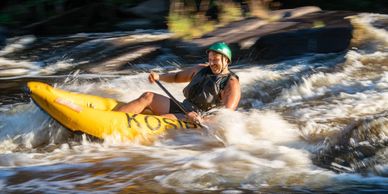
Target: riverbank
{"x":305,"y":30}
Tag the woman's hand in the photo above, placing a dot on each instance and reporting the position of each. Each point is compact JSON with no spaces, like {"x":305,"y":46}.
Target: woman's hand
{"x":153,"y":76}
{"x":194,"y":117}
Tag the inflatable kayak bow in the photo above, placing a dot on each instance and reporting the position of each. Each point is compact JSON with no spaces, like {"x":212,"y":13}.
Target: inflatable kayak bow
{"x":94,"y":115}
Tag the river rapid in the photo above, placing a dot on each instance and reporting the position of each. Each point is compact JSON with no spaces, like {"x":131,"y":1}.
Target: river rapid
{"x":315,"y":123}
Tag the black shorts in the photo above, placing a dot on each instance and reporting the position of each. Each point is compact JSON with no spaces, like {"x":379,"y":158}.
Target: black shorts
{"x":174,"y":109}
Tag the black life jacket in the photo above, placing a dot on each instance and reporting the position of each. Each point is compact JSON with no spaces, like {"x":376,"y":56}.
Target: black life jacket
{"x":204,"y":90}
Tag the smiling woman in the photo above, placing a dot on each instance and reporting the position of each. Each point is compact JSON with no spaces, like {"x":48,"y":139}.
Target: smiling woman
{"x":210,"y":86}
{"x":220,"y":56}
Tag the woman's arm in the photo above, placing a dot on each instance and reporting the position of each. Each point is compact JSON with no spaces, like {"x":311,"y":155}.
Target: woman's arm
{"x":185,"y":75}
{"x":231,"y":94}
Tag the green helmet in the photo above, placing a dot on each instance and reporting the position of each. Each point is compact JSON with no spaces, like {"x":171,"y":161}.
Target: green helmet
{"x":223,"y":48}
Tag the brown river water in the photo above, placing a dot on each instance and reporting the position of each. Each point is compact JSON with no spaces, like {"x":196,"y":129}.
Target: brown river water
{"x":315,"y":123}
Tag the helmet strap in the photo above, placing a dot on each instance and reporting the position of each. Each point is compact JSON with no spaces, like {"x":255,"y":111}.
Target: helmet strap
{"x":223,"y":65}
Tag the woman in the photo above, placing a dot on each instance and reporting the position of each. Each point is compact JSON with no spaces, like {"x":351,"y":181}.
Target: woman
{"x":211,"y":85}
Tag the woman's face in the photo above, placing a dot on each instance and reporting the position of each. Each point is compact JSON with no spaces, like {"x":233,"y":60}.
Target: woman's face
{"x":217,"y":62}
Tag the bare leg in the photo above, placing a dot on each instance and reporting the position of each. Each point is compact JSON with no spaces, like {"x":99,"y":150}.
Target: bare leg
{"x":157,"y":103}
{"x":174,"y":116}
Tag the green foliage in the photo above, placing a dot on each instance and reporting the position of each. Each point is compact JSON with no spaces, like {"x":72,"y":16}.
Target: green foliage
{"x":188,"y":27}
{"x":188,"y":24}
{"x":123,"y":2}
{"x":17,"y":11}
{"x":318,"y":24}
{"x":230,"y":12}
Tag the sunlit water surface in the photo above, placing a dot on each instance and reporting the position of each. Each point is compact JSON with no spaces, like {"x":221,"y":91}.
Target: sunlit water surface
{"x":316,"y":123}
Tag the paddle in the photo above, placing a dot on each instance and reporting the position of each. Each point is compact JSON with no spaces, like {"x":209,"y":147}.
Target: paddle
{"x":178,"y":103}
{"x":185,"y":111}
{"x":171,"y":96}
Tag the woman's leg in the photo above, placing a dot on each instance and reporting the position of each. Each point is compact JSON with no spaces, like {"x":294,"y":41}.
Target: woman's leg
{"x":157,"y":103}
{"x":179,"y":116}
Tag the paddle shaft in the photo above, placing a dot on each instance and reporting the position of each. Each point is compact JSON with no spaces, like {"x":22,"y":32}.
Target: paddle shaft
{"x":184,"y":110}
{"x":172,"y":97}
{"x":178,"y":103}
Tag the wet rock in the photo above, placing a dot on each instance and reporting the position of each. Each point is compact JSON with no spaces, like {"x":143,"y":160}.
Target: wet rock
{"x":239,"y":35}
{"x":319,"y":32}
{"x":292,"y":13}
{"x":152,"y":9}
{"x":375,"y":6}
{"x":297,"y":42}
{"x":119,"y":62}
{"x":366,"y":149}
{"x":95,"y":53}
{"x":135,"y":24}
{"x":260,"y":41}
{"x":149,"y":14}
{"x":118,"y":53}
{"x":358,"y":147}
{"x":3,"y":36}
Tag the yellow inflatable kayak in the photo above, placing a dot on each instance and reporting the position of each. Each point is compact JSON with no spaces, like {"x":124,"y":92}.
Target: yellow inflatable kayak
{"x":93,"y":115}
